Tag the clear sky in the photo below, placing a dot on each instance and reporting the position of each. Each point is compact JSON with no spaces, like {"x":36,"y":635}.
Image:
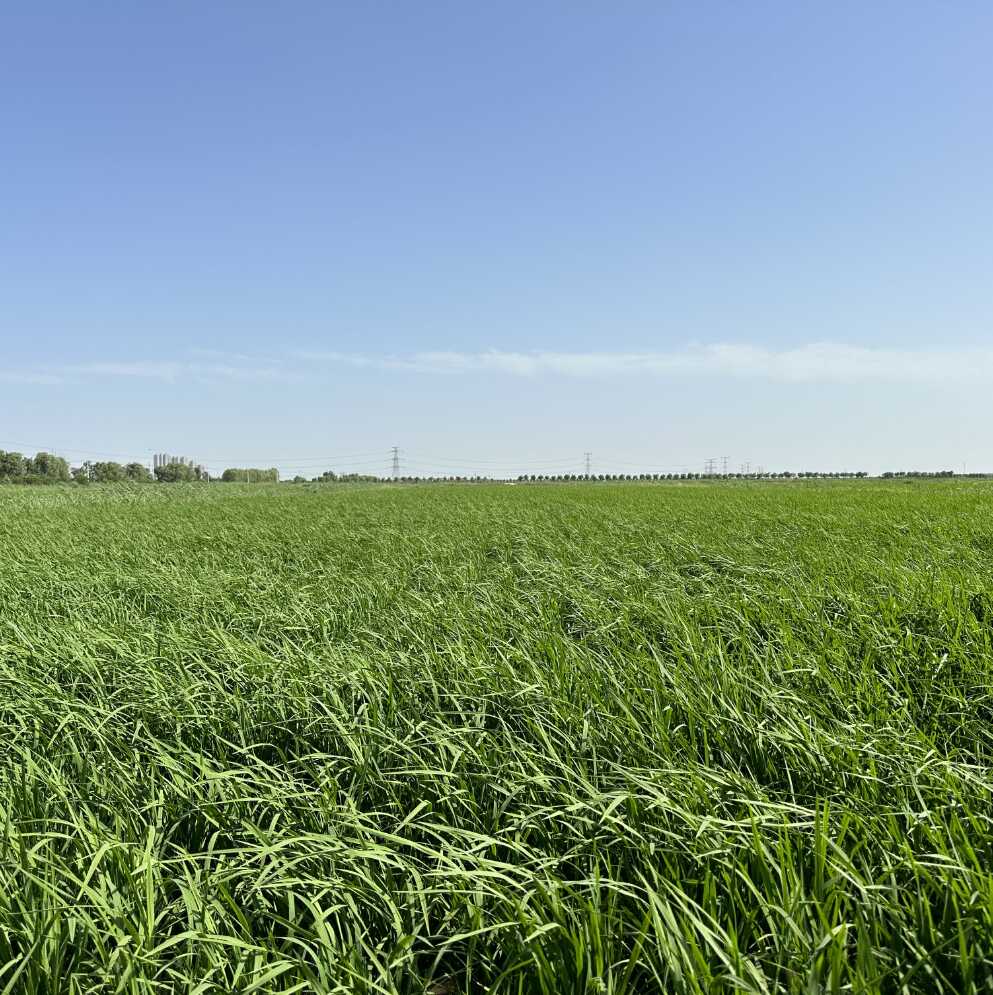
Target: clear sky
{"x":500,"y":235}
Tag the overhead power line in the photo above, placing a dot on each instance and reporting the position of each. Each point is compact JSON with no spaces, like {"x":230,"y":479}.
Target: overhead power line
{"x":371,"y":462}
{"x":473,"y":460}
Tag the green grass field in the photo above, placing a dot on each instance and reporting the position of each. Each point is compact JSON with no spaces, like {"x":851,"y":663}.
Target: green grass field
{"x":596,"y":739}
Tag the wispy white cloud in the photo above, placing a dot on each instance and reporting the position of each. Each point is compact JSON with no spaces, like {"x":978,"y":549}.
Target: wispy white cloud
{"x":28,"y":377}
{"x":821,"y":361}
{"x":143,"y":369}
{"x":170,"y":371}
{"x":227,"y":371}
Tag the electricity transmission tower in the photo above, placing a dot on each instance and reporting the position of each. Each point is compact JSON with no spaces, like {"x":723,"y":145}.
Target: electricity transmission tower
{"x":724,"y":466}
{"x":587,"y":458}
{"x":396,"y":463}
{"x":709,"y":467}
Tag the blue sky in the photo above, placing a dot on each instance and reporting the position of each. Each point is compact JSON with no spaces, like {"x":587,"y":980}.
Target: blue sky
{"x":499,"y":236}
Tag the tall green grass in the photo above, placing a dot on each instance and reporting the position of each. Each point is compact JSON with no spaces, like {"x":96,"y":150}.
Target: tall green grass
{"x":597,"y":739}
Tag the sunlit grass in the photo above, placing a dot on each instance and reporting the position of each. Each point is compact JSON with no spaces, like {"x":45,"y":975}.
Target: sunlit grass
{"x":518,"y":740}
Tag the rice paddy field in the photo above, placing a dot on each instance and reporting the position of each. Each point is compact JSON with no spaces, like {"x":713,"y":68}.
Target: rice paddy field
{"x":620,"y":739}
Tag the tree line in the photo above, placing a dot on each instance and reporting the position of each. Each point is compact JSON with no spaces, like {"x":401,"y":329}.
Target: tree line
{"x":47,"y":468}
{"x":250,"y":475}
{"x":116,"y":473}
{"x":43,"y":468}
{"x":924,"y":474}
{"x":533,"y":478}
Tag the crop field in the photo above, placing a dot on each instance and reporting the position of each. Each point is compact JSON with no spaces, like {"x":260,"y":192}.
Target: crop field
{"x":549,"y":739}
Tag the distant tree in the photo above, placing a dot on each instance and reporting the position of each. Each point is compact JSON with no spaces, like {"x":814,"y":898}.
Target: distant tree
{"x":108,"y":473}
{"x":175,"y":472}
{"x":138,"y":472}
{"x":250,"y":475}
{"x":47,"y":468}
{"x":12,"y":466}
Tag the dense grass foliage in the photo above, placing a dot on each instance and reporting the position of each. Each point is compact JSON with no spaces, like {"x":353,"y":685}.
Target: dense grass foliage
{"x":613,"y":739}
